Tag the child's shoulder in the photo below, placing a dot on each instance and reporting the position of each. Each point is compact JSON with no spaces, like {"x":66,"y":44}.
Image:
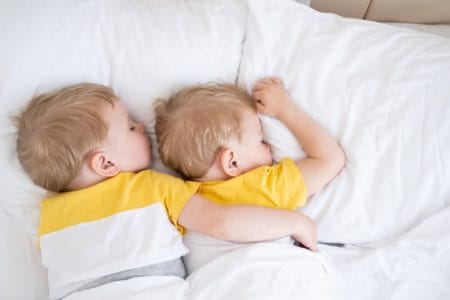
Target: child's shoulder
{"x":153,"y":175}
{"x":288,"y":165}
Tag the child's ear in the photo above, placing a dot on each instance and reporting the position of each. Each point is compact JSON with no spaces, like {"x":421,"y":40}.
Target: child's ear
{"x":101,"y":165}
{"x":229,"y":162}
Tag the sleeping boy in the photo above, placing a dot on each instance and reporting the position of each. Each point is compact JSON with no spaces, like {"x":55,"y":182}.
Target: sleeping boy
{"x":218,"y":127}
{"x":111,"y":219}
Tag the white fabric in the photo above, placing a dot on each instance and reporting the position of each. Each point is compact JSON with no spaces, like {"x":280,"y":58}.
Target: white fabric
{"x":382,"y":92}
{"x":124,"y":241}
{"x":155,"y":287}
{"x":147,"y":49}
{"x":260,"y":271}
{"x":143,"y":49}
{"x":305,"y":2}
{"x":442,"y":30}
{"x":414,"y":266}
{"x":203,"y":249}
{"x":22,"y":273}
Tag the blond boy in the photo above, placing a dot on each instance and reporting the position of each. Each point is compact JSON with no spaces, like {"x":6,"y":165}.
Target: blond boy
{"x":106,"y":222}
{"x":218,"y":127}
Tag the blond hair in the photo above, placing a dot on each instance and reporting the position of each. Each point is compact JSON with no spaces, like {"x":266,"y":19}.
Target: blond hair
{"x":57,"y":130}
{"x":195,"y":123}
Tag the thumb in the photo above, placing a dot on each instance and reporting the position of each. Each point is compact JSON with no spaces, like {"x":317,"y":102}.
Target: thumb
{"x":307,"y":243}
{"x":260,"y":107}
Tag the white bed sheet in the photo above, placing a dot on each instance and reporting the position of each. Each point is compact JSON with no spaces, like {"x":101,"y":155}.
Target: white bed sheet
{"x":415,"y":265}
{"x":442,"y":30}
{"x":382,"y":92}
{"x":21,"y":271}
{"x":143,"y":49}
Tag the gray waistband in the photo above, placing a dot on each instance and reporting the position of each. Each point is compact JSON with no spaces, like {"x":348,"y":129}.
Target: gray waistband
{"x":173,"y":267}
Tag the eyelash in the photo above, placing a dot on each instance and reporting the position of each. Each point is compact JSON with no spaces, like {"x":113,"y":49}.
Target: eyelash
{"x":133,"y":128}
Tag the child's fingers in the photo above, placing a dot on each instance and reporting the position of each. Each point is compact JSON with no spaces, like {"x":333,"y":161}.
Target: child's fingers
{"x":262,"y":83}
{"x":276,"y":80}
{"x":311,"y":245}
{"x":260,"y":107}
{"x":258,"y":86}
{"x":269,"y":81}
{"x":258,"y":95}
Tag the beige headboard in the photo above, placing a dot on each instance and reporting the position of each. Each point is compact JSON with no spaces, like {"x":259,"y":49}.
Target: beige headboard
{"x":406,"y":11}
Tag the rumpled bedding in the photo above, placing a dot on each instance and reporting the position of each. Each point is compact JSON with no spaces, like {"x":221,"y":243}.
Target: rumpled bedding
{"x":413,"y":266}
{"x":382,"y":91}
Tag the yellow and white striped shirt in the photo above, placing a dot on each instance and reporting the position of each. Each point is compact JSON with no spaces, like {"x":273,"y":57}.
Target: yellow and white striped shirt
{"x":118,"y":224}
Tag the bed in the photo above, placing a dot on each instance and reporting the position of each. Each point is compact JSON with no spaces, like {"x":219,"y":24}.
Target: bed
{"x":382,"y":90}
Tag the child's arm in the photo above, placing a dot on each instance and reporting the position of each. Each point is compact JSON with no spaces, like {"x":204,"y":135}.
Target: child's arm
{"x":246,"y":223}
{"x":325,"y":157}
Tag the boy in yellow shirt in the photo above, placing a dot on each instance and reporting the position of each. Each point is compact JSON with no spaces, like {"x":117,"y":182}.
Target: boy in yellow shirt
{"x":219,"y":128}
{"x":111,"y":219}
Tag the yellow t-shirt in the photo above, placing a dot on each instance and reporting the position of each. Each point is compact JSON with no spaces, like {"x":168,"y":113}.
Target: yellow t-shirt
{"x":277,"y":186}
{"x":122,"y":223}
{"x":123,"y":192}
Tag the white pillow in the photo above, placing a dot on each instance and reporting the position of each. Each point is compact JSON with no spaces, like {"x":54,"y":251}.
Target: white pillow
{"x":382,"y":92}
{"x":143,"y":49}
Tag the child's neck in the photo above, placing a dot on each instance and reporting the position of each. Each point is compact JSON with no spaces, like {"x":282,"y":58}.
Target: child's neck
{"x":84,"y":179}
{"x":215,"y":173}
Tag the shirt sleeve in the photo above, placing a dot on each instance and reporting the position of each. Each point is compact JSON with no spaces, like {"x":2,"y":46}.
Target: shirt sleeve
{"x":291,"y":188}
{"x":277,"y":186}
{"x":174,"y":193}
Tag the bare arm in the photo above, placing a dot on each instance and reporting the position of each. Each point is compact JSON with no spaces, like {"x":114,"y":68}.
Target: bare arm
{"x":247,"y":223}
{"x":325,"y":157}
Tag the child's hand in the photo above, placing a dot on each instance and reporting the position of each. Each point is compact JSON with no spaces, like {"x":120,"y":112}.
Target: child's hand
{"x":271,"y":97}
{"x":307,"y":233}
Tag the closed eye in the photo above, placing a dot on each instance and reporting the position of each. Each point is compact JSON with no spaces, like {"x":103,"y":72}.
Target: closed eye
{"x":132,"y":124}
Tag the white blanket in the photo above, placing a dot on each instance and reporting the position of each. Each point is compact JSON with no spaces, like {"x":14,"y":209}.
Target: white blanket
{"x":414,"y":266}
{"x":382,"y":91}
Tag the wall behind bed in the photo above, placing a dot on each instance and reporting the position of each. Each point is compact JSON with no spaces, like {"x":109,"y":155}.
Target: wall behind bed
{"x":405,"y":11}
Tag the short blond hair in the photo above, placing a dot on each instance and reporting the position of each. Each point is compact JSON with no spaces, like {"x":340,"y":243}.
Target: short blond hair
{"x":195,"y":123}
{"x":57,"y":130}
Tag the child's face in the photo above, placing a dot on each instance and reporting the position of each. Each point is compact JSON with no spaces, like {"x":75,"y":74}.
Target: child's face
{"x":127,"y":145}
{"x":251,"y":151}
